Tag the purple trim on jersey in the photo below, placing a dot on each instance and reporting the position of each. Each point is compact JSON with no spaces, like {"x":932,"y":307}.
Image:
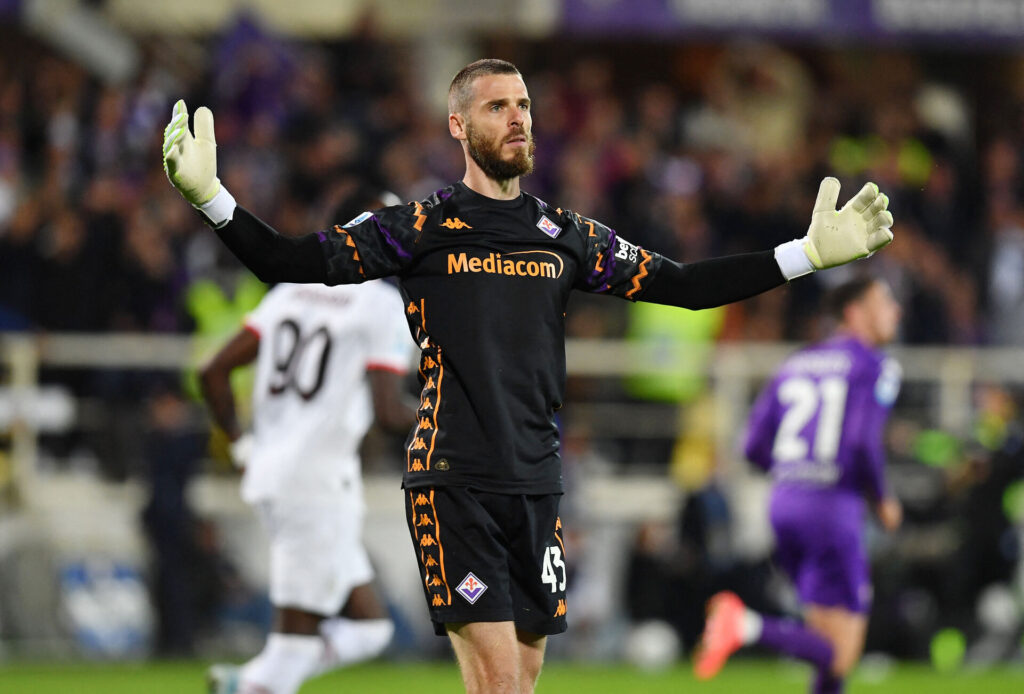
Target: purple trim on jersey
{"x":402,"y":253}
{"x":444,"y":194}
{"x":322,"y":236}
{"x":601,"y":278}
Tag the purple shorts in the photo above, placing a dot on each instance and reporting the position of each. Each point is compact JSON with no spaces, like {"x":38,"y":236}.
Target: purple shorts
{"x":819,"y":543}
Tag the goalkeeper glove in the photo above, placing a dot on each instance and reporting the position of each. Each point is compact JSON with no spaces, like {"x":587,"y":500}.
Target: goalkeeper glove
{"x":856,"y":231}
{"x":191,"y":162}
{"x":836,"y":237}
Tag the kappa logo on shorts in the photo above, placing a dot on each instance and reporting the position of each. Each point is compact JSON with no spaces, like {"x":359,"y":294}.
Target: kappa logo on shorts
{"x":471,"y":588}
{"x":549,"y":227}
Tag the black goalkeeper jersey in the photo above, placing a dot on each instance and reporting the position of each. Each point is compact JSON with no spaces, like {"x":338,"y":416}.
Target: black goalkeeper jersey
{"x":486,"y":283}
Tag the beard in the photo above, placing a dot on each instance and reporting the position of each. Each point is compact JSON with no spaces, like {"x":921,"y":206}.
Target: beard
{"x":487,"y":154}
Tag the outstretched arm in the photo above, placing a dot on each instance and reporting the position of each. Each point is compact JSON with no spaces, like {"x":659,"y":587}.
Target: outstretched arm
{"x":835,"y":237}
{"x":714,"y":282}
{"x":271,"y":256}
{"x":371,"y":245}
{"x":191,"y":166}
{"x":616,"y":266}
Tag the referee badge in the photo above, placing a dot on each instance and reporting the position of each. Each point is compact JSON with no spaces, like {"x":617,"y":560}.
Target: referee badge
{"x":471,"y":588}
{"x":549,"y":227}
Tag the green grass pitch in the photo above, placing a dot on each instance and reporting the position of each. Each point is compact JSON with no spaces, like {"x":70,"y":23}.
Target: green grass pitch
{"x":558,"y":678}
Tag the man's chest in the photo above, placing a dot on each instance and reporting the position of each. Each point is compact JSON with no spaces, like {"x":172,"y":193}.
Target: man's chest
{"x":497,"y":250}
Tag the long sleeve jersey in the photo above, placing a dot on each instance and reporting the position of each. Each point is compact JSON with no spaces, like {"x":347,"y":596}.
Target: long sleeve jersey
{"x":485,"y":284}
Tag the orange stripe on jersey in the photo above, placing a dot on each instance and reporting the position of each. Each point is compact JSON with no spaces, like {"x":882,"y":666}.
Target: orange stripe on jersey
{"x":639,"y":276}
{"x":559,"y":537}
{"x":437,"y":405}
{"x":440,"y":547}
{"x":420,"y":217}
{"x":417,"y":440}
{"x":350,"y":242}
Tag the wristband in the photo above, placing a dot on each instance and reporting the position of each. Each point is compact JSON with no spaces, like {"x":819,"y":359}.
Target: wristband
{"x":793,"y":260}
{"x":220,"y":209}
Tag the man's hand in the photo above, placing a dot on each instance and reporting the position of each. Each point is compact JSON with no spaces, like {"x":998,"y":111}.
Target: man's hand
{"x":889,"y":512}
{"x":191,"y":162}
{"x":241,"y":450}
{"x":839,"y":236}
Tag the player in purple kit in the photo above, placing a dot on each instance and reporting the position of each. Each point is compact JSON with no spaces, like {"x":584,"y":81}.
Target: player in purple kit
{"x":817,"y":428}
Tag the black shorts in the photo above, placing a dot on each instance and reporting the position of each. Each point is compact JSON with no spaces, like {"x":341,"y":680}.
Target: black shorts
{"x":488,"y":557}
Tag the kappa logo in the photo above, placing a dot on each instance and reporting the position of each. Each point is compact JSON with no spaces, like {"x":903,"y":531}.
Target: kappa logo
{"x":549,"y":227}
{"x":471,"y":588}
{"x":455,"y":224}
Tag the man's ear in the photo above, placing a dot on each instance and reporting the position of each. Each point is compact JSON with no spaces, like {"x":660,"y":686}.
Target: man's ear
{"x":457,"y":126}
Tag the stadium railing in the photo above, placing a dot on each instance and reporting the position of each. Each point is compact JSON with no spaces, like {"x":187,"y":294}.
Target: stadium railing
{"x":76,"y":514}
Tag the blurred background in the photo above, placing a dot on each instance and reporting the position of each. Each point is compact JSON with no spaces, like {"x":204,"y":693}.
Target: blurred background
{"x":694,"y":127}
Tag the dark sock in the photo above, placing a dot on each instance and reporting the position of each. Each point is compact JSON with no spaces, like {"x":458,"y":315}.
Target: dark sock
{"x":827,"y":683}
{"x":792,"y":638}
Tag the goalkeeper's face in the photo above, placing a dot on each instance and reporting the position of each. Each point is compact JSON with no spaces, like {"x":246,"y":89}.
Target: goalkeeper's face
{"x":498,"y":127}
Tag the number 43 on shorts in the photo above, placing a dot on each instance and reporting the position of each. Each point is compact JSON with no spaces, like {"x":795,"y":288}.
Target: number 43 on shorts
{"x":553,"y":560}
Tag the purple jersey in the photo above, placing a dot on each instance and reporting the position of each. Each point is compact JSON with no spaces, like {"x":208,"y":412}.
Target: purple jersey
{"x":820,"y":421}
{"x":817,"y":428}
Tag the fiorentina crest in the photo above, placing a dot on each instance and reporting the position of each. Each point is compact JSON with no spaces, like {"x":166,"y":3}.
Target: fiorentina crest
{"x":549,"y":227}
{"x":471,"y":588}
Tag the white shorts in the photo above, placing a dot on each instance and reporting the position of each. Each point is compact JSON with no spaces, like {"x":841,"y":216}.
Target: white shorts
{"x":316,"y":553}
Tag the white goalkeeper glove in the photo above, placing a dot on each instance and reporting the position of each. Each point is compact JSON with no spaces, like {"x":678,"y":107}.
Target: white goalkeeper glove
{"x":836,"y":237}
{"x":191,"y":163}
{"x":241,"y":450}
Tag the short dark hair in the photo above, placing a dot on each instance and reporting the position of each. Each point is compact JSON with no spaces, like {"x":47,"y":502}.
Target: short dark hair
{"x":842,"y":295}
{"x":459,"y":91}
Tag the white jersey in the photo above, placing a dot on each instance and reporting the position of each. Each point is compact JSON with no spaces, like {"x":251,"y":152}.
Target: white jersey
{"x":311,"y":397}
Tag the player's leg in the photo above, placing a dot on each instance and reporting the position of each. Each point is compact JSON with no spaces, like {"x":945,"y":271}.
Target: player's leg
{"x":531,"y":659}
{"x":731,"y":626}
{"x":307,"y":581}
{"x":294,"y":652}
{"x":482,"y":569}
{"x":362,"y":631}
{"x":538,"y":569}
{"x":846,"y":631}
{"x":488,"y":657}
{"x":836,"y":590}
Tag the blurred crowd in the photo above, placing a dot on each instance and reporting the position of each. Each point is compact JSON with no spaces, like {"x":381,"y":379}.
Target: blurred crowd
{"x":691,"y":150}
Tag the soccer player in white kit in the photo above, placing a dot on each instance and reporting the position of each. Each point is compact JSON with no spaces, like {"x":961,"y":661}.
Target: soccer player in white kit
{"x":328,"y":359}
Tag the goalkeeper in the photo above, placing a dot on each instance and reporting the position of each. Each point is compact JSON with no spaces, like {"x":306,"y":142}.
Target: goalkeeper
{"x":486,"y":271}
